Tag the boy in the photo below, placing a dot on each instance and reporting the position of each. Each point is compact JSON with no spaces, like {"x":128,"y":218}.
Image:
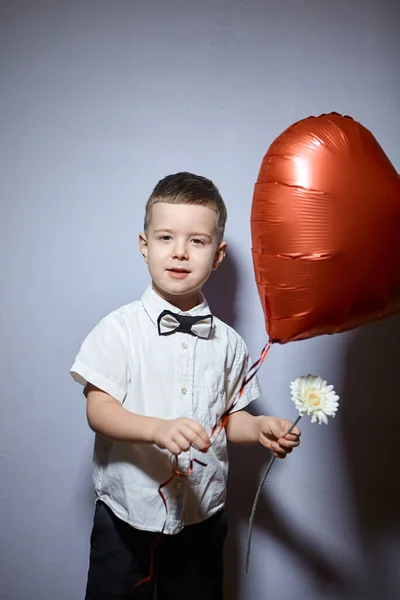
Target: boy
{"x":158,"y":375}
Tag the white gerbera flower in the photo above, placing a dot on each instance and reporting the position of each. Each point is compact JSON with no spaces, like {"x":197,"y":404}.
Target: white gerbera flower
{"x":314,"y":397}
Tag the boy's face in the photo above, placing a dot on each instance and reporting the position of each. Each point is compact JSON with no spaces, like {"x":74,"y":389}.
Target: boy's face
{"x":181,"y":248}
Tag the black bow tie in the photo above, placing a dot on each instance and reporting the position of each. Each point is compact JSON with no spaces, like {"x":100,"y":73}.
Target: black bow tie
{"x":169,"y":322}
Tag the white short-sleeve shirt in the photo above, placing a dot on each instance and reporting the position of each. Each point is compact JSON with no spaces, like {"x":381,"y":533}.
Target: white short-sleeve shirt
{"x":179,"y":375}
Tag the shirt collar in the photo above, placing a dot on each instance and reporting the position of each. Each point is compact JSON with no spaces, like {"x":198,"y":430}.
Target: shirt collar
{"x":154,"y":305}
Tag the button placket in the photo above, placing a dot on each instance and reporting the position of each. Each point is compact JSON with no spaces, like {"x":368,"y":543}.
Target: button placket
{"x":188,"y":344}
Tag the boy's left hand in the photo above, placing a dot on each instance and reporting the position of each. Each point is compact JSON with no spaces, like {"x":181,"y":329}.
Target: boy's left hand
{"x":272,"y":434}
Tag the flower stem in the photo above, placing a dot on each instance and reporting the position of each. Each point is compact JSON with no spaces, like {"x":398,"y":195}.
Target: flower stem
{"x":257,"y":496}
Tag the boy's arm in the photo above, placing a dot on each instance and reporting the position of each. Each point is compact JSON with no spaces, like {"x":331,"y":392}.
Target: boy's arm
{"x":109,"y":418}
{"x":244,"y":428}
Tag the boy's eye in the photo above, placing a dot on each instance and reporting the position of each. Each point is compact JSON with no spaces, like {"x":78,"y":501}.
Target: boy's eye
{"x":198,"y":241}
{"x":164,"y":237}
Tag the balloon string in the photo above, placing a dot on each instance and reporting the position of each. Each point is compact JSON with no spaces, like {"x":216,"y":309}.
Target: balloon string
{"x":216,"y":430}
{"x":175,"y":473}
{"x":250,"y":374}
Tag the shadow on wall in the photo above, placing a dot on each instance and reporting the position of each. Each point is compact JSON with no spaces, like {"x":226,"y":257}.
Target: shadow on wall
{"x":220,"y":291}
{"x":246,"y":468}
{"x":247,"y":465}
{"x":370,"y":418}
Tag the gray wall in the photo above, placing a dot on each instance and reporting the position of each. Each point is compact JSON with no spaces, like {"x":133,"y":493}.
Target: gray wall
{"x":98,"y":101}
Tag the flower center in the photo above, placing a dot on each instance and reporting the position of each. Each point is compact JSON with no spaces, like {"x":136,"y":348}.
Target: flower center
{"x":313,"y":399}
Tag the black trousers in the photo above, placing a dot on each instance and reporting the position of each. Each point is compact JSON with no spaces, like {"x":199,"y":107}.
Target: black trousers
{"x":188,"y":565}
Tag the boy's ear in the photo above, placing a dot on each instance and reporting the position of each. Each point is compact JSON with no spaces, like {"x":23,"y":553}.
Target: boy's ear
{"x":219,"y":255}
{"x":143,"y":245}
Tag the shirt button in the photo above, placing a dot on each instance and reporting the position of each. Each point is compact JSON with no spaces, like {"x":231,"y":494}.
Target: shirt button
{"x":178,"y":486}
{"x":184,"y":391}
{"x":184,"y":346}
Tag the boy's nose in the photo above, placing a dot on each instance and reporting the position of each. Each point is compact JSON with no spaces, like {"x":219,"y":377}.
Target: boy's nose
{"x":180,"y":251}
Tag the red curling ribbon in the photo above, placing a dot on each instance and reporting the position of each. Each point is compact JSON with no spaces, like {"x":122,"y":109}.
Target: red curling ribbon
{"x":216,"y":430}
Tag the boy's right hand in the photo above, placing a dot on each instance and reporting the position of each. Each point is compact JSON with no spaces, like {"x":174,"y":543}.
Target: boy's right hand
{"x":178,"y":435}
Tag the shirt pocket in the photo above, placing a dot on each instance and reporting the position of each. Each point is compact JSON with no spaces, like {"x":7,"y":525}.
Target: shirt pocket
{"x":212,"y":396}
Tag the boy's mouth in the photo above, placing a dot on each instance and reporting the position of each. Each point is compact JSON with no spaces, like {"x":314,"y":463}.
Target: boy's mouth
{"x":178,"y":273}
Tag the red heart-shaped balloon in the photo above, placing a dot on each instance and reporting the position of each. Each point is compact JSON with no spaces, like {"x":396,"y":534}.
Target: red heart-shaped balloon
{"x":325,"y":227}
